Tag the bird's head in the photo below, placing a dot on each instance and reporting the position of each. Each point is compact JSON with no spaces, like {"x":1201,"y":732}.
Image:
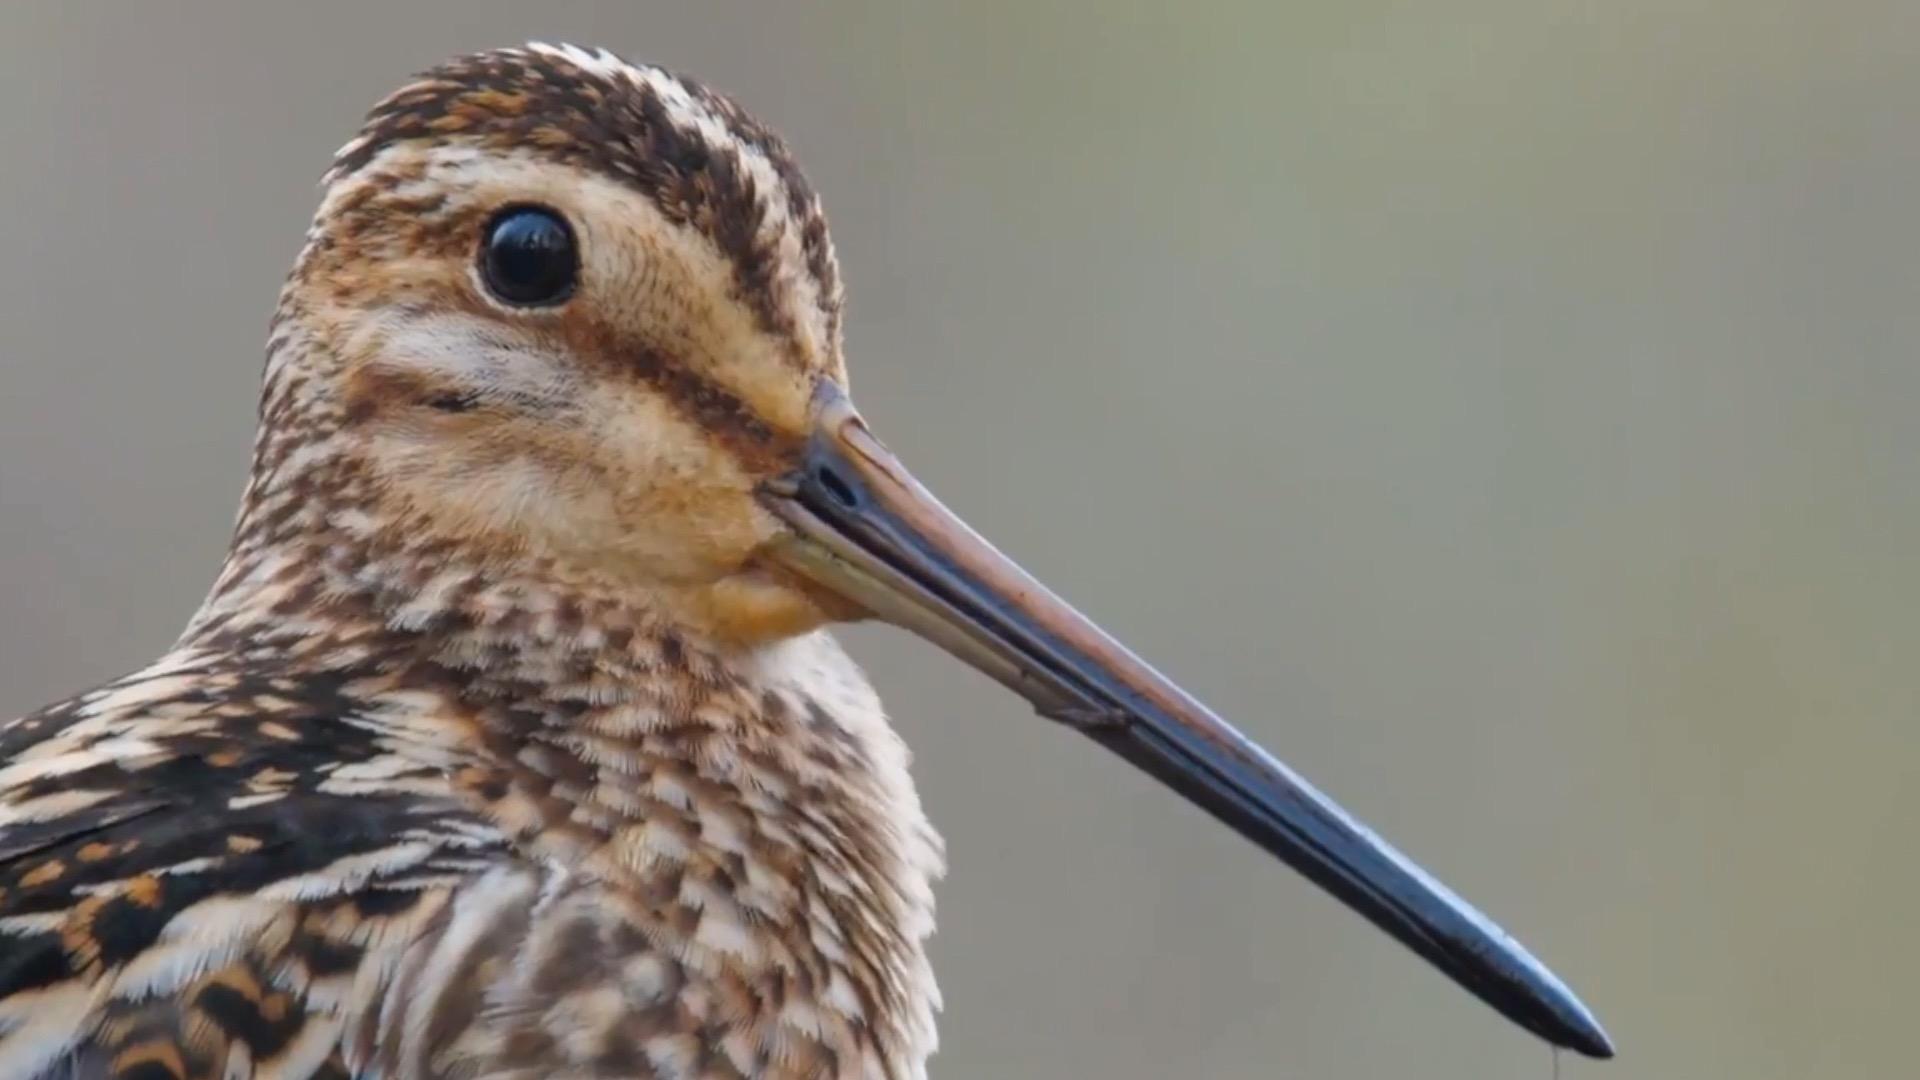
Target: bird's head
{"x":571,"y":309}
{"x":559,"y":310}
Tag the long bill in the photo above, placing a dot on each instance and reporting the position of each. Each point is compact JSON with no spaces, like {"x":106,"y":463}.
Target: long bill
{"x":866,"y":531}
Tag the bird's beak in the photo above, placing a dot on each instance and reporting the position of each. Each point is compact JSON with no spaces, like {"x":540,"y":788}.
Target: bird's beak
{"x":867,"y":532}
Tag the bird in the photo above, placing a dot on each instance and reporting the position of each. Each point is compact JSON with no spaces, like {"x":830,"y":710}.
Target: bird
{"x":511,"y":739}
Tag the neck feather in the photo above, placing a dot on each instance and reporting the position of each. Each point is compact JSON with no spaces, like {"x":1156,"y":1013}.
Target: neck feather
{"x":578,"y":717}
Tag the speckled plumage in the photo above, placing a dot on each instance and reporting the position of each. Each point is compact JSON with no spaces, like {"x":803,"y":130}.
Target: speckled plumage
{"x":509,"y":742}
{"x":459,"y":772}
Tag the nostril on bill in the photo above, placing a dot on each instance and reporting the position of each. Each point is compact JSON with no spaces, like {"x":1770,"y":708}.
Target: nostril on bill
{"x":836,"y":486}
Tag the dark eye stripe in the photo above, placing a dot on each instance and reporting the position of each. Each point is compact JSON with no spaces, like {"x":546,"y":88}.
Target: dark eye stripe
{"x":711,"y":406}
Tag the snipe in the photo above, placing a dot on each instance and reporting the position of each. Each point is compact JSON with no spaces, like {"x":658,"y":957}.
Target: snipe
{"x":508,"y":742}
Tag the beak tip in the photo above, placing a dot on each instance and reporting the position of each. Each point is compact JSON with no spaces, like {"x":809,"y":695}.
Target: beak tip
{"x":1593,"y":1041}
{"x":1576,"y":1028}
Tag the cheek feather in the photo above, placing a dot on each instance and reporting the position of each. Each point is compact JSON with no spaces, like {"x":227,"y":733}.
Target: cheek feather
{"x":753,"y":610}
{"x":618,"y":478}
{"x":455,"y":365}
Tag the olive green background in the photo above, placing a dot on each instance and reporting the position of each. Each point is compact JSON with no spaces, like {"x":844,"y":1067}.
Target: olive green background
{"x":1505,"y":410}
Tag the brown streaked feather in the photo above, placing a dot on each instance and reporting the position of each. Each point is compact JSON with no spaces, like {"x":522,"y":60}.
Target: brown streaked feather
{"x":228,"y":883}
{"x":415,"y":802}
{"x":417,"y":919}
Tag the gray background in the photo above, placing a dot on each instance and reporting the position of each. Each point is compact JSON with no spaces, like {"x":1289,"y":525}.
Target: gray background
{"x":1505,"y":410}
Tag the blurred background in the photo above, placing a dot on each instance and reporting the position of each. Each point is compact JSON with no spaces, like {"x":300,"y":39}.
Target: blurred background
{"x":1504,"y":410}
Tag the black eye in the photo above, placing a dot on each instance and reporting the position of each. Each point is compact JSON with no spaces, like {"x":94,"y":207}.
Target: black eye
{"x":528,"y":256}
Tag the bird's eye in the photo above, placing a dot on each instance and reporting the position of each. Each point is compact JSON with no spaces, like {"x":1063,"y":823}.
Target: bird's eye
{"x":528,"y":256}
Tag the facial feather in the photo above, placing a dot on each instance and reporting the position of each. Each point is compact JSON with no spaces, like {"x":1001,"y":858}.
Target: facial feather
{"x":618,"y":434}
